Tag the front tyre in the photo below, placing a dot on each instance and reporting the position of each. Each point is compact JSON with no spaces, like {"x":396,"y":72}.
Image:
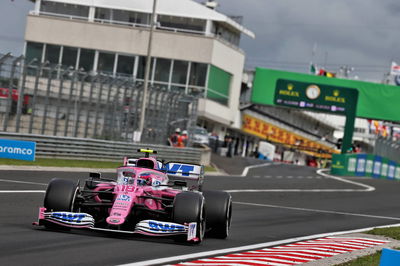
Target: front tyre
{"x":60,"y":195}
{"x":218,"y":213}
{"x":189,"y":207}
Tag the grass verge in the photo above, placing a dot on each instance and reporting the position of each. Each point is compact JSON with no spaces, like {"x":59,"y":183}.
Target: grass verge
{"x":373,"y":259}
{"x":370,"y":260}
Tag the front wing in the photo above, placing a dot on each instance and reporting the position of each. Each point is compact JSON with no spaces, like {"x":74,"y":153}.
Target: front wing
{"x":145,"y":227}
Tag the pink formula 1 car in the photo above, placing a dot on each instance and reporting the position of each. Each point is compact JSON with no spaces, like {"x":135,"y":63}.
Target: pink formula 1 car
{"x":147,"y":197}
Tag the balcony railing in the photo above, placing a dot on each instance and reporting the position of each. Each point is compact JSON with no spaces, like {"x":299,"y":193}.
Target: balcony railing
{"x":136,"y":25}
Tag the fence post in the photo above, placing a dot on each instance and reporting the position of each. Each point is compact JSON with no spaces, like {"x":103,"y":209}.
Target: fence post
{"x":10,"y":88}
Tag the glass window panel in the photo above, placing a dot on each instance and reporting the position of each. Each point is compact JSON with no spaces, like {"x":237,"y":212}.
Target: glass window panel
{"x":106,"y":62}
{"x":219,"y":83}
{"x":34,"y":50}
{"x":86,"y":59}
{"x":179,"y":73}
{"x":102,"y":13}
{"x":52,"y":54}
{"x":125,"y":64}
{"x":163,"y":67}
{"x":178,"y":89}
{"x":142,"y":67}
{"x":182,"y":23}
{"x":198,"y":73}
{"x":69,"y":56}
{"x":64,"y":9}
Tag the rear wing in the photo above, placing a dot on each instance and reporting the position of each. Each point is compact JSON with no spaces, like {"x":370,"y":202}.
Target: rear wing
{"x":183,"y":171}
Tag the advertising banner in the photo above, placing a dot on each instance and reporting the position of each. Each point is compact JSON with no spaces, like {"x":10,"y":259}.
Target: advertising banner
{"x":369,"y":165}
{"x":364,"y":165}
{"x":270,"y":132}
{"x":383,"y":97}
{"x":361,"y":164}
{"x":20,"y":150}
{"x":339,"y":165}
{"x":392,"y":170}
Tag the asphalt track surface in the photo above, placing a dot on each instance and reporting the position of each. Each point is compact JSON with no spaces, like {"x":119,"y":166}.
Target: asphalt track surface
{"x":279,"y":202}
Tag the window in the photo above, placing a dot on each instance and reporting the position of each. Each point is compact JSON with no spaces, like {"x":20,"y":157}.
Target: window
{"x":182,"y":23}
{"x":125,"y":64}
{"x":34,"y":50}
{"x":219,"y":83}
{"x":64,"y":9}
{"x":179,"y":73}
{"x":86,"y":59}
{"x":52,"y":54}
{"x":69,"y":56}
{"x":102,"y":13}
{"x":198,"y":73}
{"x":142,"y":67}
{"x":163,"y":67}
{"x":106,"y":63}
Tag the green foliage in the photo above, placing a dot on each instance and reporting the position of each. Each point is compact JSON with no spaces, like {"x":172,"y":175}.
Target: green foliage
{"x":392,"y":232}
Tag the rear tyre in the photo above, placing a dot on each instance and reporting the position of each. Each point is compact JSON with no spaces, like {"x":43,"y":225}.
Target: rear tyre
{"x":189,"y":207}
{"x":60,"y":196}
{"x":218,"y":213}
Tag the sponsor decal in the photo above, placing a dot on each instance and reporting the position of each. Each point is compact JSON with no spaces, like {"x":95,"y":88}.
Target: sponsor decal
{"x":124,"y":198}
{"x":114,"y":220}
{"x":289,"y":91}
{"x":165,"y":227}
{"x":119,"y":203}
{"x":174,"y":168}
{"x":335,"y":97}
{"x":192,"y":231}
{"x":67,"y":216}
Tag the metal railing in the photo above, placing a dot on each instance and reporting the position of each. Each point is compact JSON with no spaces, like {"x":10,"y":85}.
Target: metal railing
{"x":55,"y":100}
{"x":387,"y":148}
{"x":101,"y":150}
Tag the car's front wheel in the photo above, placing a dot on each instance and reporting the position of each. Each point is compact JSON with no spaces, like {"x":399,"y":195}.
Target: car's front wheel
{"x":189,"y":207}
{"x":60,"y":195}
{"x":218,"y":213}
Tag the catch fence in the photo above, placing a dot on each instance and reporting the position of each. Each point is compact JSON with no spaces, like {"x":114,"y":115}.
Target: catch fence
{"x":56,"y":100}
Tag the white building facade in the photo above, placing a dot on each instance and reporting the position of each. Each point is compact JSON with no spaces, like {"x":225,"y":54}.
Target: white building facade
{"x":195,"y":49}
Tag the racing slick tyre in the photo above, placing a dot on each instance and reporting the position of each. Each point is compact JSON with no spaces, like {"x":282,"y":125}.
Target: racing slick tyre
{"x":60,"y":195}
{"x":218,"y":209}
{"x":189,"y":207}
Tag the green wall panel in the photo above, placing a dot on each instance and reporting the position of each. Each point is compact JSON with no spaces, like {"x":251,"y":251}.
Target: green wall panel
{"x":375,"y":101}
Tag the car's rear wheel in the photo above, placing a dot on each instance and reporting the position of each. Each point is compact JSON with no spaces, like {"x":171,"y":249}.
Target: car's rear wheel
{"x":218,"y":209}
{"x":60,"y":196}
{"x":189,"y":207}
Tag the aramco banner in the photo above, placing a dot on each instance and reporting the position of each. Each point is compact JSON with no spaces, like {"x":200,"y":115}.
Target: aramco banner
{"x":276,"y":134}
{"x":16,"y":149}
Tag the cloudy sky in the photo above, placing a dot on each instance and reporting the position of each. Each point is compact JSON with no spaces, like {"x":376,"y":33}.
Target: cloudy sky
{"x":363,"y":34}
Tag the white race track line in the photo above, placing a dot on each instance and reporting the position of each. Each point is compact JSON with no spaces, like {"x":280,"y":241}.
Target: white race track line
{"x":319,"y":211}
{"x":247,"y":247}
{"x":22,"y":182}
{"x":364,"y":188}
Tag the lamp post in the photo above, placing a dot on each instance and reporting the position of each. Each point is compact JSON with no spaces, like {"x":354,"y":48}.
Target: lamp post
{"x":147,"y":72}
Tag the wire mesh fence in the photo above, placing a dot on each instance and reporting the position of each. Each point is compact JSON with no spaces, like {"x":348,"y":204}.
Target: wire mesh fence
{"x":387,"y":148}
{"x":55,"y":100}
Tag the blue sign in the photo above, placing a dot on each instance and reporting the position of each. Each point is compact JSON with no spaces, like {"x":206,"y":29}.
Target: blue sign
{"x":16,"y":149}
{"x":361,"y":164}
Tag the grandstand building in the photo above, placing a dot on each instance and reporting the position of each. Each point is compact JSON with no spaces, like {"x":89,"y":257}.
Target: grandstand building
{"x":195,"y":49}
